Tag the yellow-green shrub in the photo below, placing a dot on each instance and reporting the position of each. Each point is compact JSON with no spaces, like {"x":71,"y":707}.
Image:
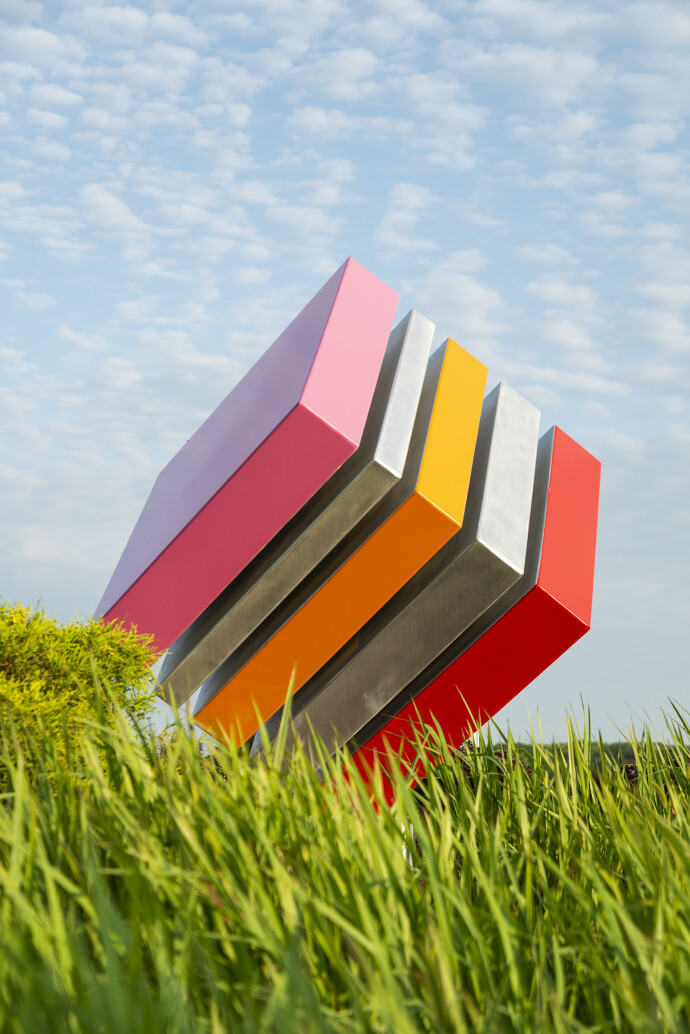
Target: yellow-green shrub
{"x":55,"y":677}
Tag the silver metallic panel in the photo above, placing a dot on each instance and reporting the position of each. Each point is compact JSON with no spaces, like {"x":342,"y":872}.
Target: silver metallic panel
{"x":376,"y":517}
{"x":480,"y":563}
{"x":340,"y":505}
{"x":490,"y":616}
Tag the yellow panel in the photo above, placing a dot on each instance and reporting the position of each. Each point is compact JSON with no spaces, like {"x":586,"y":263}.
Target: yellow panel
{"x":424,"y":522}
{"x":453,"y":432}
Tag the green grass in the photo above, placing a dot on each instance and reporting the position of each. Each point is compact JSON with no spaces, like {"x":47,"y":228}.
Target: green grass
{"x":142,"y":891}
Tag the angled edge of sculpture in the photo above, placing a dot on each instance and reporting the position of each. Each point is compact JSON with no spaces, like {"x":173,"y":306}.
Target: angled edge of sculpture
{"x":356,"y":520}
{"x":288,"y":425}
{"x":414,"y":520}
{"x":514,"y":641}
{"x":458,"y":584}
{"x":344,"y":500}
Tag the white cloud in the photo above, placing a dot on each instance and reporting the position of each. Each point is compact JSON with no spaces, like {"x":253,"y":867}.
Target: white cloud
{"x":545,"y":254}
{"x":570,"y":127}
{"x":611,"y":201}
{"x":46,"y":119}
{"x":664,"y":231}
{"x":395,"y":22}
{"x":227,"y":82}
{"x":660,"y":24}
{"x":555,"y":291}
{"x":162,"y":66}
{"x":345,"y":75}
{"x":556,"y":77}
{"x":108,"y":22}
{"x":462,"y":307}
{"x":298,"y":20}
{"x":656,"y":96}
{"x":51,"y":94}
{"x":40,"y":47}
{"x":178,"y":27}
{"x":21,"y":10}
{"x":136,"y":310}
{"x":161,"y":114}
{"x":596,"y":224}
{"x":430,"y":90}
{"x":566,"y":333}
{"x":568,"y":380}
{"x":55,"y":226}
{"x":14,"y":363}
{"x":16,"y":73}
{"x":105,"y":121}
{"x":305,"y":219}
{"x":27,"y":299}
{"x":156,"y":269}
{"x":331,"y":123}
{"x":51,"y":150}
{"x":11,"y":191}
{"x":645,"y":136}
{"x":103,"y":208}
{"x":404,"y":209}
{"x":666,"y":332}
{"x":444,"y":124}
{"x":542,"y":19}
{"x":90,"y":343}
{"x":665,"y":274}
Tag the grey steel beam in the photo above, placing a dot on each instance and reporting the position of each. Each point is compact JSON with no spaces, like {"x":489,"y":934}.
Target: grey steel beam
{"x":346,"y":498}
{"x":491,"y":615}
{"x":480,"y":563}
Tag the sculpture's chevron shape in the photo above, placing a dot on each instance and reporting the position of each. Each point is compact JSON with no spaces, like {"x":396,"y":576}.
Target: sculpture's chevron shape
{"x":414,"y":520}
{"x":455,"y":587}
{"x":346,"y":498}
{"x":547,"y":611}
{"x":269,"y":446}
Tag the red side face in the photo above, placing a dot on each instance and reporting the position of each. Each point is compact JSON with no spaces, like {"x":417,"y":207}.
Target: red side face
{"x":553,"y":613}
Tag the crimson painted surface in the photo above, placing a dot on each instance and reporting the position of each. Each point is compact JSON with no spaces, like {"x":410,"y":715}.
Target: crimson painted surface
{"x":552,"y":615}
{"x":278,"y":436}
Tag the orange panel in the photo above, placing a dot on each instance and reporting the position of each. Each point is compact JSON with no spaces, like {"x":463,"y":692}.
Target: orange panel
{"x":423,"y":522}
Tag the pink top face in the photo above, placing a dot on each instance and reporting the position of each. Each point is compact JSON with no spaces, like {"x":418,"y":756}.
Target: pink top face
{"x":325,"y":364}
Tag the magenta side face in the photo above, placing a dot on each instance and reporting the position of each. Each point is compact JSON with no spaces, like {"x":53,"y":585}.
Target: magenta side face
{"x":240,"y":519}
{"x":284,"y":429}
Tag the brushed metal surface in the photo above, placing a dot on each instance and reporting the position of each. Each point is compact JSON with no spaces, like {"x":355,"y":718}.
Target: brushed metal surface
{"x":362,"y":532}
{"x":489,"y":617}
{"x":343,"y":501}
{"x":465,"y":577}
{"x":495,"y":663}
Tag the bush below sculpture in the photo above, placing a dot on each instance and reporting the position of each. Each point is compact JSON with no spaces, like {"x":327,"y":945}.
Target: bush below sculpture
{"x":56,"y":677}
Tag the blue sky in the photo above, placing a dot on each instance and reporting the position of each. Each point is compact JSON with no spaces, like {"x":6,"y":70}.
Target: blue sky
{"x":177,"y":179}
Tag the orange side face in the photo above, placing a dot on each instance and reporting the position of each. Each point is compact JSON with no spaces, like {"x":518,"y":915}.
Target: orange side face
{"x":425,"y":521}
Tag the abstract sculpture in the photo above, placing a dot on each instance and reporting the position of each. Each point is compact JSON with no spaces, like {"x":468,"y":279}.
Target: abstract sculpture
{"x":355,"y":521}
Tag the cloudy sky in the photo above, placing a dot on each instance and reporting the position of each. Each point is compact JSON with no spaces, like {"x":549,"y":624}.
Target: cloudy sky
{"x":177,"y":179}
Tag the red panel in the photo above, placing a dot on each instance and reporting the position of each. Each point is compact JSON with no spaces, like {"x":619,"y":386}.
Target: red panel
{"x":566,"y":570}
{"x":552,"y":615}
{"x":194,"y":569}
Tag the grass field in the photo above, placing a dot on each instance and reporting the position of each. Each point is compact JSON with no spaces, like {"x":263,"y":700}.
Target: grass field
{"x":153,"y":891}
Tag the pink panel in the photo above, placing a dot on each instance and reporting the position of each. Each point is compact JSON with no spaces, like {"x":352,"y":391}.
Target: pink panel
{"x":291,"y":422}
{"x":236,"y":523}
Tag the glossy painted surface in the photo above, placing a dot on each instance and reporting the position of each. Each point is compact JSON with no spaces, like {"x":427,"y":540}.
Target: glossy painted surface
{"x":413,"y":522}
{"x":330,"y":515}
{"x":283,"y":430}
{"x":548,"y":611}
{"x":466,"y":577}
